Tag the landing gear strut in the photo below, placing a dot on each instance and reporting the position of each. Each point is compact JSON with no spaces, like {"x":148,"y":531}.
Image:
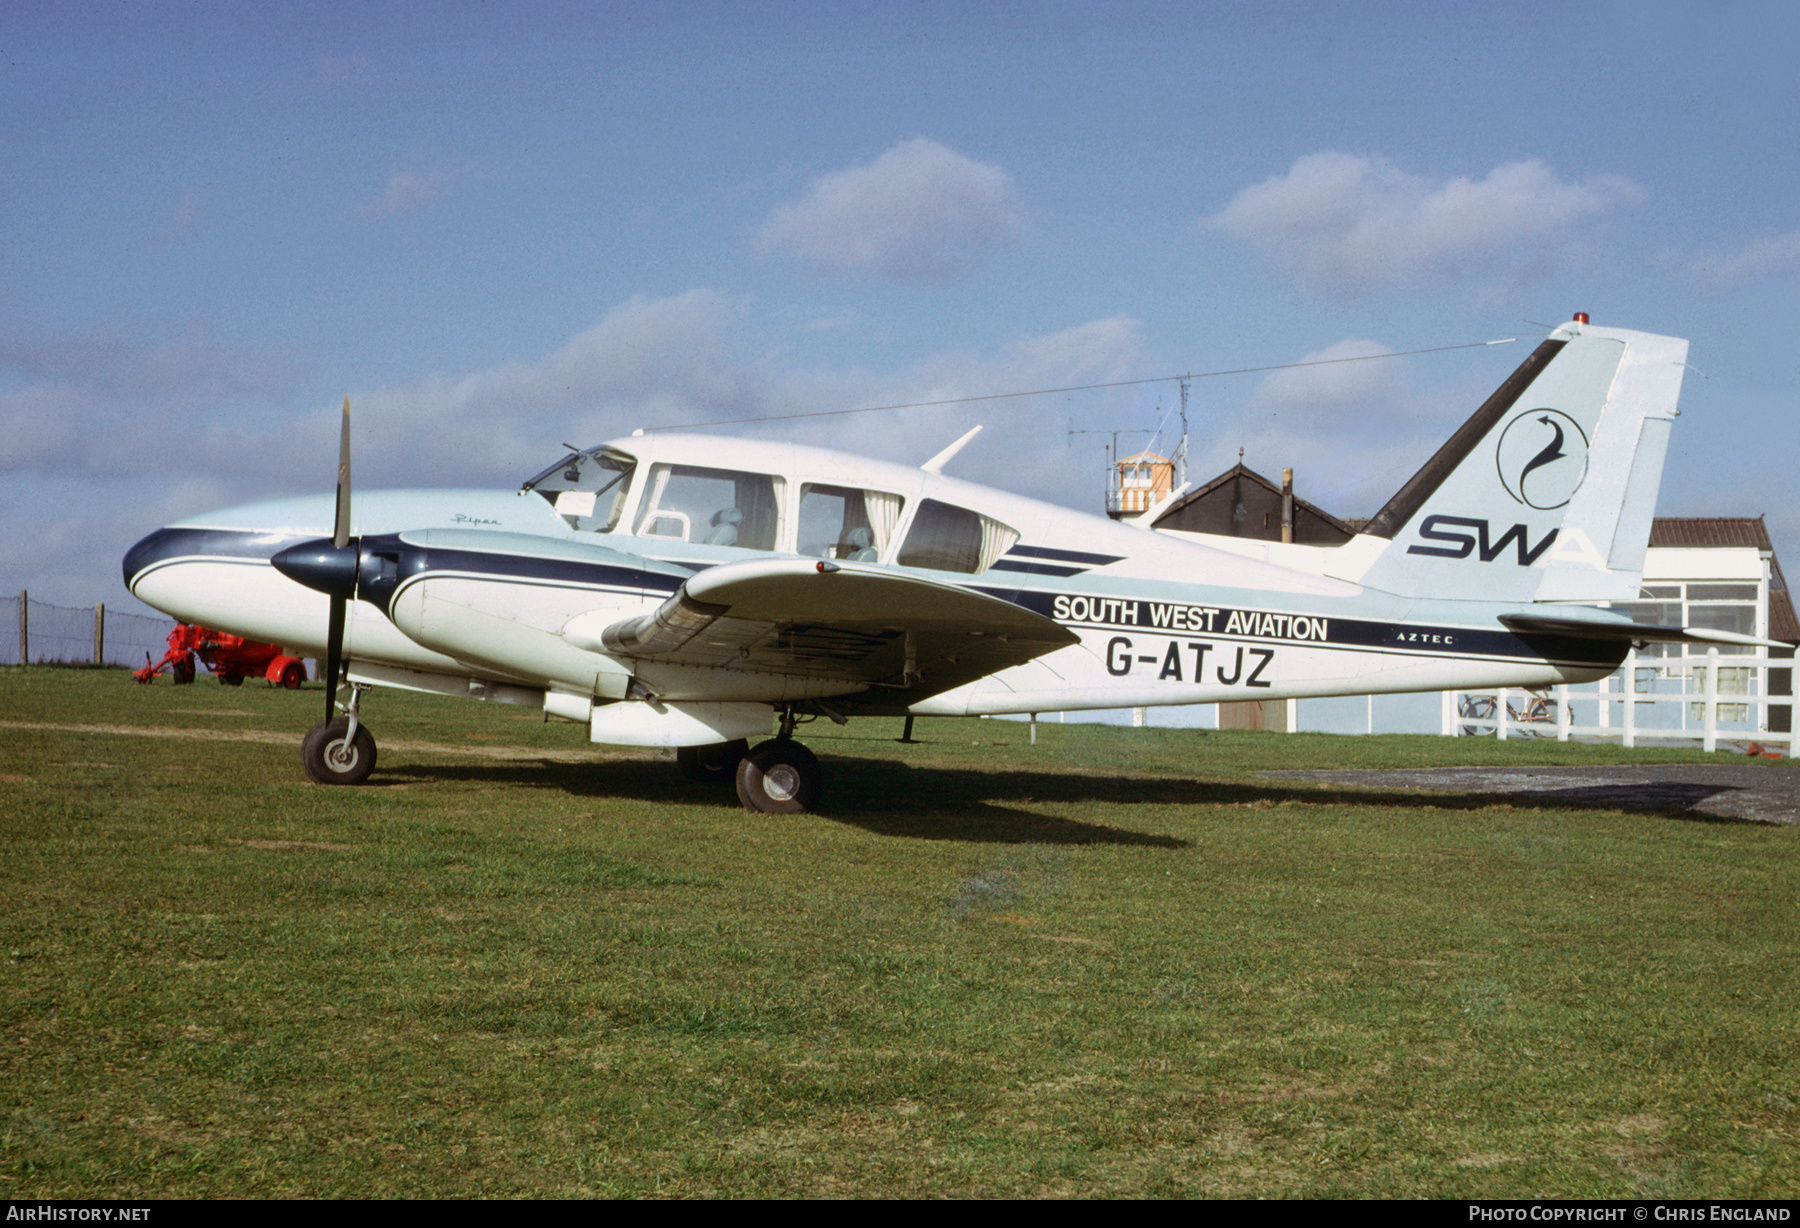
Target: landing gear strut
{"x":342,"y":751}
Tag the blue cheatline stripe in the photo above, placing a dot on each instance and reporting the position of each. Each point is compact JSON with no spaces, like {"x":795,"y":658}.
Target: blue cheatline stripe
{"x":1038,"y":569}
{"x":1065,"y":556}
{"x":237,"y":545}
{"x":1078,"y":611}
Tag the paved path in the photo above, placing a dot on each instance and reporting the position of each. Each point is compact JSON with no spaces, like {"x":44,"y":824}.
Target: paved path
{"x":1731,"y":791}
{"x":581,"y":753}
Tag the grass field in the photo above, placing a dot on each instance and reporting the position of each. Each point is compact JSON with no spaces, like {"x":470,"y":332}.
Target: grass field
{"x":1113,"y":964}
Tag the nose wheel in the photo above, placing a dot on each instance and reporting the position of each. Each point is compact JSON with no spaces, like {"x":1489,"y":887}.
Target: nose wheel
{"x":779,"y":777}
{"x":340,"y":751}
{"x":333,"y":754}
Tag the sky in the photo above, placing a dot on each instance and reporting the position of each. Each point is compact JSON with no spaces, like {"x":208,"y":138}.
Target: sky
{"x":499,"y":228}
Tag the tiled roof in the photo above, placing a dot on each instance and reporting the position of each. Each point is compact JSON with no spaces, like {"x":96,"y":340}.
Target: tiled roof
{"x":1241,"y":470}
{"x":1782,"y":623}
{"x":1710,"y":531}
{"x":1734,"y":531}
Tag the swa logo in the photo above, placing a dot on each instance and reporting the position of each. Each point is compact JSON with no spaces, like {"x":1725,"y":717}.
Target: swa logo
{"x":1543,"y":458}
{"x":1460,"y":542}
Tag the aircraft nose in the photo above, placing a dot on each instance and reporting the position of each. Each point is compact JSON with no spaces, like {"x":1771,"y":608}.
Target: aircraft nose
{"x":151,"y":550}
{"x":320,"y":565}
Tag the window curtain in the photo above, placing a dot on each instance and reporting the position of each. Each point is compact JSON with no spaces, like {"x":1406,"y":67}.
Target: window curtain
{"x":756,"y":499}
{"x":996,"y":540}
{"x":884,"y":514}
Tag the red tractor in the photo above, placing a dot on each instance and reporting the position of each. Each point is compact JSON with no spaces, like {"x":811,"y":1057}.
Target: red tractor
{"x":231,"y":658}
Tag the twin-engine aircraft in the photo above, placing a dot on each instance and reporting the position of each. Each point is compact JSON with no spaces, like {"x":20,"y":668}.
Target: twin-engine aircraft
{"x":687,"y":591}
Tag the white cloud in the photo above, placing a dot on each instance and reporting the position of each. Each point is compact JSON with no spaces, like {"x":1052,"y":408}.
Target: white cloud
{"x":647,"y":362}
{"x":405,"y":191}
{"x":200,"y":436}
{"x":920,"y":211}
{"x":1353,"y":432}
{"x":1765,"y":256}
{"x":79,"y":405}
{"x":1332,"y":380}
{"x":671,"y":362}
{"x":1349,"y":225}
{"x":41,"y":423}
{"x":1024,"y":447}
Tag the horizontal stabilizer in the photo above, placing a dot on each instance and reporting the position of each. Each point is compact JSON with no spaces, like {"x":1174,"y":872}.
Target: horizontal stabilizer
{"x":1620,"y":630}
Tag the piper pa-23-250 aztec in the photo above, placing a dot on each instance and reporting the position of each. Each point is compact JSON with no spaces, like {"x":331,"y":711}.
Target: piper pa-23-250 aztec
{"x":687,"y":591}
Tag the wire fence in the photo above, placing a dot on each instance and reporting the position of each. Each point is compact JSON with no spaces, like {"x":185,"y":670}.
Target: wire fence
{"x":77,"y":635}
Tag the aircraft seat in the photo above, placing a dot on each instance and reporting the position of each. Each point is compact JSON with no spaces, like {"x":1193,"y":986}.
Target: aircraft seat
{"x":862,"y":545}
{"x":725,"y":527}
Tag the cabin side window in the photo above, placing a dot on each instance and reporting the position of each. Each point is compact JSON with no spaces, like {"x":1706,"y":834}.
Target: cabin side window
{"x":839,"y":522}
{"x":948,"y":538}
{"x":713,"y":507}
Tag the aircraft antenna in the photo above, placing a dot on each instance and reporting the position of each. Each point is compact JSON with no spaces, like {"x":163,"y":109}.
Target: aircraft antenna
{"x":1115,"y":496}
{"x":1181,"y":449}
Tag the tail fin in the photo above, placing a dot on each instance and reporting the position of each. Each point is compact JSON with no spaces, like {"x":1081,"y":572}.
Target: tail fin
{"x":1547,"y":492}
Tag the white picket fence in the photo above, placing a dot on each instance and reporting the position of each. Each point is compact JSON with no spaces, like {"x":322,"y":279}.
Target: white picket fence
{"x":1656,"y":699}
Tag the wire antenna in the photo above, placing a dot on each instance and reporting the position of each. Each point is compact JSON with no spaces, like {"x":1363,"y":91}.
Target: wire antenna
{"x":1042,"y":392}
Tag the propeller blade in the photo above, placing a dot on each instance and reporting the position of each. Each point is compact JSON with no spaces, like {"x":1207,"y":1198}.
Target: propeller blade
{"x":340,"y":532}
{"x":334,"y":656}
{"x":340,"y":537}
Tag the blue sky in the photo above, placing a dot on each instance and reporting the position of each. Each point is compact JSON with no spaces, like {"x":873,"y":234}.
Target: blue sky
{"x":499,"y":227}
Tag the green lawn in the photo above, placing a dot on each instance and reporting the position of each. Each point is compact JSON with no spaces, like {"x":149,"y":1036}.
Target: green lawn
{"x":1116,"y":963}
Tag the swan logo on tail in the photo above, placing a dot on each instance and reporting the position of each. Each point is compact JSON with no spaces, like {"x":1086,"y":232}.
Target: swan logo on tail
{"x":1543,"y":458}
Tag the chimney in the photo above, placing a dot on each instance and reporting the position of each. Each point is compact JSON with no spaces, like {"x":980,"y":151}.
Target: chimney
{"x":1287,"y":505}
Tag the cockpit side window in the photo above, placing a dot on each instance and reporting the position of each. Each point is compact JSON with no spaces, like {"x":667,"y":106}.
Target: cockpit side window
{"x":715,"y":507}
{"x":588,"y":489}
{"x":944,"y":537}
{"x":840,"y":522}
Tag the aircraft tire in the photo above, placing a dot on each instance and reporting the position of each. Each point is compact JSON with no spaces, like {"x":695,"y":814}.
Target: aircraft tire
{"x":712,"y":764}
{"x":329,"y":762}
{"x":779,"y":777}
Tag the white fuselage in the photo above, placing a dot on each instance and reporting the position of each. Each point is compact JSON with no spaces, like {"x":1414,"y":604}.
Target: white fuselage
{"x":1158,"y":619}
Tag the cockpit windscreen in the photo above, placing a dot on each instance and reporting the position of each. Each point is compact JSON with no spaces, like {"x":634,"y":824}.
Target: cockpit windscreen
{"x":588,"y":489}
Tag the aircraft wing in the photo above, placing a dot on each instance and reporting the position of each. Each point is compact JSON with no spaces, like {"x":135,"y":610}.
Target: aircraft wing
{"x":817,"y":619}
{"x":1603,"y":628}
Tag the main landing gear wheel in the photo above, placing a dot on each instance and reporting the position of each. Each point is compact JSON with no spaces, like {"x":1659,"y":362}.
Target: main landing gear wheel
{"x":779,"y":777}
{"x":716,"y":763}
{"x":331,"y":759}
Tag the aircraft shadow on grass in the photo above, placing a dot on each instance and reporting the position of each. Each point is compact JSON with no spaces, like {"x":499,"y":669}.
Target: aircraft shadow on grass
{"x":895,"y":799}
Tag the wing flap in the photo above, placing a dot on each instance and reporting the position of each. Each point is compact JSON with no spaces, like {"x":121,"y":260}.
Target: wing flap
{"x":805,"y":618}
